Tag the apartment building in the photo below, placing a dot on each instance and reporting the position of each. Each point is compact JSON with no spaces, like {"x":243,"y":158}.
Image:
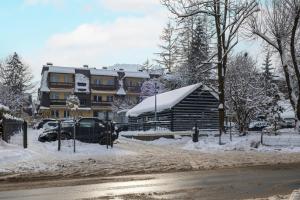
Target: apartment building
{"x":96,"y":89}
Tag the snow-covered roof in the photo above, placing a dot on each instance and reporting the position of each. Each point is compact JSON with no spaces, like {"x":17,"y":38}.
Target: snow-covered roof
{"x":4,"y":108}
{"x":126,"y":67}
{"x":82,"y":83}
{"x":137,"y":74}
{"x":165,"y":100}
{"x":44,"y":82}
{"x":63,"y":70}
{"x":103,"y":72}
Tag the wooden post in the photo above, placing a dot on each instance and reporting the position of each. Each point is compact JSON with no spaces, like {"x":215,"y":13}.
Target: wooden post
{"x":74,"y":136}
{"x":59,"y":135}
{"x":25,"y":134}
{"x":261,"y":138}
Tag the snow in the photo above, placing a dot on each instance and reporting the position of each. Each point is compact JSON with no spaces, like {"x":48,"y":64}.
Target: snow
{"x":44,"y":82}
{"x":8,"y":116}
{"x":103,"y":72}
{"x":81,"y":78}
{"x":126,"y":67}
{"x":44,"y":156}
{"x":63,"y":70}
{"x":137,"y":74}
{"x":288,"y":111}
{"x":121,"y":90}
{"x":4,"y":108}
{"x":288,"y":141}
{"x":165,"y":100}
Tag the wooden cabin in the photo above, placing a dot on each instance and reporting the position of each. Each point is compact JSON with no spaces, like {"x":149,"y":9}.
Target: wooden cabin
{"x":177,"y":110}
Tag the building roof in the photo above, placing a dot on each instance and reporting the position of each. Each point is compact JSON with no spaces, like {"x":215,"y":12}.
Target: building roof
{"x":136,"y":74}
{"x":165,"y":100}
{"x":64,"y":70}
{"x":103,"y":72}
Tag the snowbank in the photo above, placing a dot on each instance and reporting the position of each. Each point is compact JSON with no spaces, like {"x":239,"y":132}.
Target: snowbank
{"x":4,"y":108}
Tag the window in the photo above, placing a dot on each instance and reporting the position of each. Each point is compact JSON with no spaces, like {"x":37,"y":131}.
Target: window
{"x":97,"y":82}
{"x":54,"y":78}
{"x":109,"y":98}
{"x":54,"y":95}
{"x":87,"y":123}
{"x":82,"y":101}
{"x":81,"y":84}
{"x":82,"y":90}
{"x":100,"y":115}
{"x":97,"y":98}
{"x":55,"y":113}
{"x":66,"y":95}
{"x":109,"y":115}
{"x":66,"y":114}
{"x":110,"y":82}
{"x":66,"y":78}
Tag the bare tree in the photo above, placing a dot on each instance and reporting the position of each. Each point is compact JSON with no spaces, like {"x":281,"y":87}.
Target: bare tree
{"x":169,"y":50}
{"x":278,"y":26}
{"x":228,"y":17}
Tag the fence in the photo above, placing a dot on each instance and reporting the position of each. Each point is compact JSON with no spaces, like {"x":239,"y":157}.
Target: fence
{"x":13,"y":127}
{"x":150,"y":125}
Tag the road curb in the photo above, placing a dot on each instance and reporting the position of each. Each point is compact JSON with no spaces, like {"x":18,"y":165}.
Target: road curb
{"x":295,"y":195}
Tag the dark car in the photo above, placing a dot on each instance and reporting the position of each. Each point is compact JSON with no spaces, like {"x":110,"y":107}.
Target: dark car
{"x":40,"y":124}
{"x":91,"y":130}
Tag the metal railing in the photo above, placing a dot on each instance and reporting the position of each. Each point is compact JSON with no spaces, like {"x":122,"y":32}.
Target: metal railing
{"x":11,"y":127}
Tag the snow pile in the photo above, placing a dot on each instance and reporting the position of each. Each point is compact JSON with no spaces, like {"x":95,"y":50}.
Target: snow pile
{"x":44,"y":156}
{"x":82,"y":83}
{"x":103,"y":72}
{"x":288,"y":111}
{"x":4,"y":108}
{"x":73,"y":102}
{"x":165,"y":100}
{"x":8,"y":116}
{"x":44,"y":82}
{"x":159,"y":131}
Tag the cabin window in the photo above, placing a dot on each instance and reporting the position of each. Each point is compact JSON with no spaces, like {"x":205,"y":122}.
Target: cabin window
{"x":83,"y":101}
{"x":109,"y":115}
{"x":100,"y":115}
{"x":66,"y":78}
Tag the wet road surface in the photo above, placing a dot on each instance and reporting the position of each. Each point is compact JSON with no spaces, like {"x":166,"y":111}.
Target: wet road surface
{"x":238,"y":183}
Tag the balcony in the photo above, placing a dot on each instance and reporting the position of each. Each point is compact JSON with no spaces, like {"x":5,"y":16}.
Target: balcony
{"x":136,"y":89}
{"x":103,"y":87}
{"x":101,"y":103}
{"x":58,"y":102}
{"x":61,"y":84}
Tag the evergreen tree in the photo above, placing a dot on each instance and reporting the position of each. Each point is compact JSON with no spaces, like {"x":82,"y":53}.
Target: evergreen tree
{"x":16,"y":77}
{"x":267,"y":72}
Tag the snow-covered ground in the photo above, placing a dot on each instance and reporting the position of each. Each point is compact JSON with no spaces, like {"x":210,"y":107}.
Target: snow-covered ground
{"x":130,"y":156}
{"x":37,"y":154}
{"x":286,"y":141}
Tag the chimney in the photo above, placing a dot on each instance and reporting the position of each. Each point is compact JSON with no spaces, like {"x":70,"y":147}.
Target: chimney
{"x":121,"y":69}
{"x":49,"y":64}
{"x":85,"y":66}
{"x":104,"y":67}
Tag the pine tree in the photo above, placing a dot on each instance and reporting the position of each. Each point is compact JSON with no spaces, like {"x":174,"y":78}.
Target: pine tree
{"x":16,"y":77}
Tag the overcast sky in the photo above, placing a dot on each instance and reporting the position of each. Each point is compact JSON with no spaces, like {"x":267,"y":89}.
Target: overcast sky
{"x":78,"y":32}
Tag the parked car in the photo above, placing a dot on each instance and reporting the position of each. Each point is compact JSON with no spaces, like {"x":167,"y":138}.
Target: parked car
{"x":50,"y":125}
{"x":288,"y":123}
{"x":40,"y":124}
{"x":91,"y":130}
{"x":257,"y":125}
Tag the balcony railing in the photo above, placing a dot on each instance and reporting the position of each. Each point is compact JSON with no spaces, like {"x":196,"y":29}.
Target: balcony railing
{"x":61,"y":84}
{"x":133,"y":88}
{"x":103,"y":87}
{"x":101,"y":103}
{"x":58,"y":102}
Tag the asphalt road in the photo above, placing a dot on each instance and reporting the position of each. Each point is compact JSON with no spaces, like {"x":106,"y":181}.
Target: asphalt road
{"x":238,"y":183}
